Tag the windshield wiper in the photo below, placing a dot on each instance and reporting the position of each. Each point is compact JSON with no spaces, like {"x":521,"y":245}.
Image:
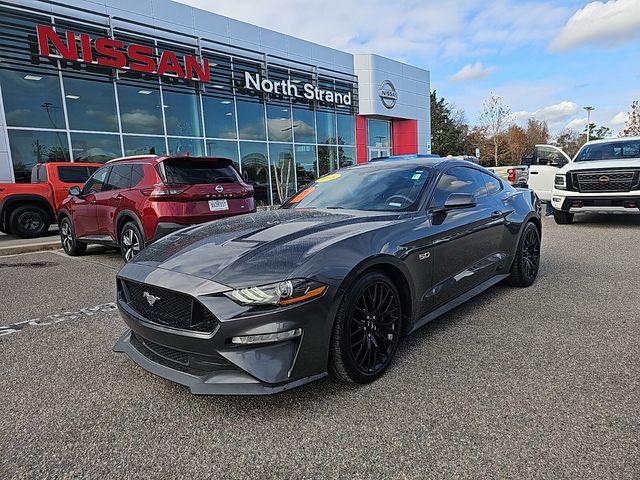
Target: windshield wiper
{"x":334,"y":208}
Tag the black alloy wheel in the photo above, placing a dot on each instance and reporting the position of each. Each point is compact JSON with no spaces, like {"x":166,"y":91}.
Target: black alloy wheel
{"x":524,"y":269}
{"x":130,"y":241}
{"x":368,"y":329}
{"x":70,"y":244}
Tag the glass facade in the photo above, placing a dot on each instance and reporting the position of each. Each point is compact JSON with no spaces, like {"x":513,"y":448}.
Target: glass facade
{"x":57,"y":110}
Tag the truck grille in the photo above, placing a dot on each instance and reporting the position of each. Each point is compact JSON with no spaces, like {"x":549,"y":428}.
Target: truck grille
{"x":606,"y":181}
{"x":168,"y":308}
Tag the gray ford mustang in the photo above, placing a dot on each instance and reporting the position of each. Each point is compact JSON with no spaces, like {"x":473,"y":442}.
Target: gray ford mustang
{"x":329,"y":283}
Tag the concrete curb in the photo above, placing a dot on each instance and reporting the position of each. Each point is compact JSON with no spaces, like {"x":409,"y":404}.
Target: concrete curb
{"x":30,"y":247}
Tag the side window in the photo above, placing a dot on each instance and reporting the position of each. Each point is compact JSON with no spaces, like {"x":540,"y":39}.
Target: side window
{"x":96,"y":182}
{"x":137,"y":174}
{"x":458,"y":180}
{"x":119,"y":179}
{"x":492,"y":183}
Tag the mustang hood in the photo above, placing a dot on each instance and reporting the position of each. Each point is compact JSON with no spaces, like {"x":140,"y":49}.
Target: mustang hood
{"x":255,"y":249}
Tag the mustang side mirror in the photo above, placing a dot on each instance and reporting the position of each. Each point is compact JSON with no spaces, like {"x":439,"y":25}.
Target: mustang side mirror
{"x":75,"y":191}
{"x":460,"y":200}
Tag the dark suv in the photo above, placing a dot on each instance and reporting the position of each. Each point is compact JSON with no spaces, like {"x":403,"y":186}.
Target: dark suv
{"x":132,"y":201}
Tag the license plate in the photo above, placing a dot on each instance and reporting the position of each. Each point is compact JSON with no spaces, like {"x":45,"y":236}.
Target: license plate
{"x":217,"y":205}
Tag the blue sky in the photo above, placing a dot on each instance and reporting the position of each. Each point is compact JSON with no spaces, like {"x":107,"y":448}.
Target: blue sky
{"x":546,"y":58}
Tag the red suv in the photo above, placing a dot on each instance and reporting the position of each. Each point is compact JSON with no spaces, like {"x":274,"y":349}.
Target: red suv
{"x":132,"y":201}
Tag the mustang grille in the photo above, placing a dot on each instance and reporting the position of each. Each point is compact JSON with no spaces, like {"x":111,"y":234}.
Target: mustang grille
{"x":612,"y":181}
{"x":168,"y":308}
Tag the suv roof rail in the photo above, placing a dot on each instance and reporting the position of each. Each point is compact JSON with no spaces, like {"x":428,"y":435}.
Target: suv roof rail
{"x":132,"y":157}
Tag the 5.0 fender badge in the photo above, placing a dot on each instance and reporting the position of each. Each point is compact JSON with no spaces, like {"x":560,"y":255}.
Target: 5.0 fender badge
{"x":424,"y":256}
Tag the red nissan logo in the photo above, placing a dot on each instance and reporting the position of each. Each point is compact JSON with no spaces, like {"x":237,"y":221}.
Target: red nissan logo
{"x":604,"y":180}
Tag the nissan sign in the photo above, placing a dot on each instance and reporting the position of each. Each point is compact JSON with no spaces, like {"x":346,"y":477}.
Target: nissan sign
{"x":388,"y":94}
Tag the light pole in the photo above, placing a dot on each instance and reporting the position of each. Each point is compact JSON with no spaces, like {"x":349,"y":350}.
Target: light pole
{"x":588,"y":109}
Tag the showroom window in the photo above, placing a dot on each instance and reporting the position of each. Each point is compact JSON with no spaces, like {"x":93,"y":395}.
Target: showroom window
{"x":224,"y":149}
{"x":219,"y":117}
{"x":255,"y":169}
{"x":306,"y":164}
{"x":378,"y":133}
{"x":327,"y":159}
{"x":185,"y":146}
{"x":140,"y":110}
{"x":326,"y":125}
{"x":251,"y":120}
{"x":144,"y":145}
{"x":283,"y":176}
{"x":95,"y":147}
{"x":91,"y":104}
{"x":32,"y":98}
{"x":279,"y":123}
{"x":29,"y":147}
{"x":182,"y":113}
{"x":304,"y":125}
{"x":346,"y":156}
{"x":346,"y":130}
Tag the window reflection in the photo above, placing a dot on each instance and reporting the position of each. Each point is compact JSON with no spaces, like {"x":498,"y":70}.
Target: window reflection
{"x":306,"y":166}
{"x":326,"y":125}
{"x":327,"y":160}
{"x":346,"y":130}
{"x":140,"y":109}
{"x":139,"y":145}
{"x":378,"y":133}
{"x":186,"y":146}
{"x":32,"y":99}
{"x":224,"y":149}
{"x":95,"y":148}
{"x":279,"y":123}
{"x":251,"y":120}
{"x":182,"y":113}
{"x":255,"y":169}
{"x":283,"y":181}
{"x":346,"y":156}
{"x":219,"y":117}
{"x":304,"y":125}
{"x":91,"y":105}
{"x":29,"y":147}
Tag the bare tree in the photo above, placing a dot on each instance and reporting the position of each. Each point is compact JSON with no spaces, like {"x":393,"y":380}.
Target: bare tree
{"x":632,"y":127}
{"x":495,"y":118}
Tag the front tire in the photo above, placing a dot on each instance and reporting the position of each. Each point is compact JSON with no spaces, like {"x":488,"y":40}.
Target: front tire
{"x":524,"y":269}
{"x":131,"y":241}
{"x":367,"y":330}
{"x":70,"y":243}
{"x":29,"y":221}
{"x":562,"y":218}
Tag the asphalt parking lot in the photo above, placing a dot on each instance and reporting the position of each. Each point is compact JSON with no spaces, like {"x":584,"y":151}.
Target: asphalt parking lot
{"x":535,"y":383}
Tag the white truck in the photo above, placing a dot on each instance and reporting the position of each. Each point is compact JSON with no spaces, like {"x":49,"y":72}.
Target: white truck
{"x":603,"y":177}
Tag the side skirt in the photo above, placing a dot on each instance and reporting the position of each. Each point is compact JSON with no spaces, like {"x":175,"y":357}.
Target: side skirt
{"x":457,"y":301}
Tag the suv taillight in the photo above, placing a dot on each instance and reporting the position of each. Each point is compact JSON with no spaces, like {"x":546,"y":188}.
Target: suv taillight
{"x":511,"y":172}
{"x":164,"y":191}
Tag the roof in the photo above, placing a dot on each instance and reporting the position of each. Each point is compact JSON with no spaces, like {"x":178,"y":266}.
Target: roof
{"x":614,"y":140}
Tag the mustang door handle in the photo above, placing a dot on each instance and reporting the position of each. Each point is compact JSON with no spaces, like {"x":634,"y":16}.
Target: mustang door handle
{"x":497,"y":214}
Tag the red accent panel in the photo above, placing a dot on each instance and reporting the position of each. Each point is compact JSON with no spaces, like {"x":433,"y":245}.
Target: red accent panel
{"x":361,"y":139}
{"x":405,"y":136}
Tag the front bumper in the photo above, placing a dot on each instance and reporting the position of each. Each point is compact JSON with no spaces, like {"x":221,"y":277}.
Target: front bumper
{"x":206,"y":362}
{"x":595,"y":203}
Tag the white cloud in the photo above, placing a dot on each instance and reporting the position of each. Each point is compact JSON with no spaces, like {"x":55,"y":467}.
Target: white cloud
{"x":552,"y":114}
{"x":473,"y":71}
{"x":619,"y":118}
{"x":604,"y":24}
{"x":578,"y":124}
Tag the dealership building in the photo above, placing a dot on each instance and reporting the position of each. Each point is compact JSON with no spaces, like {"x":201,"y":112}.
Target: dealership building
{"x":85,"y":80}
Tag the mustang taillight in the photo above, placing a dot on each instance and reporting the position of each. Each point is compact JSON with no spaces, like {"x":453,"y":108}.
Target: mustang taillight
{"x":164,"y":191}
{"x":511,"y":175}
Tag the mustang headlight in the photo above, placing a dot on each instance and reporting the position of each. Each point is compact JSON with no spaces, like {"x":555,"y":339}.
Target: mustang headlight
{"x":561,"y":182}
{"x":286,"y":292}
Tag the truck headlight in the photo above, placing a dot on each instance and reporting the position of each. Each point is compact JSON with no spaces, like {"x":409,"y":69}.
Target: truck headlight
{"x":560,"y":182}
{"x":282,"y":293}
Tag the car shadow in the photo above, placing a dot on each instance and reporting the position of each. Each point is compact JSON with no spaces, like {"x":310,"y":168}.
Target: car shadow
{"x":601,"y":221}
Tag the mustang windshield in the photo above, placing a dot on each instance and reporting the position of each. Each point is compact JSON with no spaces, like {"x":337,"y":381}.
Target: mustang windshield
{"x":609,"y":151}
{"x":364,"y":188}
